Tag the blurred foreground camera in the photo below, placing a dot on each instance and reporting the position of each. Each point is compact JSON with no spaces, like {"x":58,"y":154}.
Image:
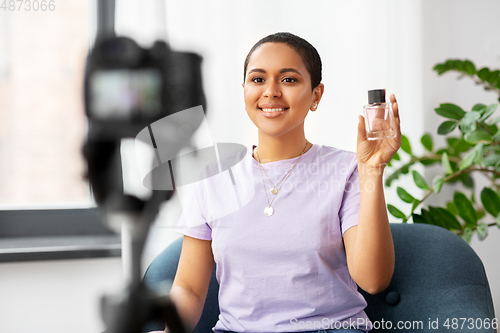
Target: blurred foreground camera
{"x":128,"y":87}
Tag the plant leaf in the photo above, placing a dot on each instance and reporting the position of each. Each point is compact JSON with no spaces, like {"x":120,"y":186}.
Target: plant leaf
{"x":468,"y":160}
{"x":484,"y":74}
{"x":428,"y":218}
{"x":463,"y":146}
{"x":491,"y":160}
{"x":468,"y":122}
{"x":479,"y":155}
{"x":467,"y":235}
{"x":459,"y":146}
{"x":452,"y":142}
{"x":433,"y":217}
{"x":426,"y":141}
{"x":441,"y":68}
{"x":396,"y":156}
{"x":494,"y":78}
{"x":465,"y":209}
{"x":405,"y":144}
{"x":493,"y":128}
{"x":443,"y":150}
{"x":447,"y":127}
{"x":489,"y":111}
{"x":452,"y":208}
{"x":494,"y":120}
{"x":450,"y":219}
{"x":479,"y":135}
{"x":451,"y":111}
{"x":419,"y":180}
{"x":447,"y":219}
{"x":415,"y":204}
{"x":446,"y":164}
{"x":491,"y":201}
{"x":469,"y":67}
{"x":480,"y":214}
{"x":466,"y":180}
{"x":405,"y":196}
{"x":417,"y":218}
{"x":437,"y":183}
{"x":482,"y":230}
{"x":480,"y":107}
{"x":428,"y":161}
{"x":496,"y":137}
{"x":458,"y":65}
{"x":396,"y":212}
{"x":395,"y":175}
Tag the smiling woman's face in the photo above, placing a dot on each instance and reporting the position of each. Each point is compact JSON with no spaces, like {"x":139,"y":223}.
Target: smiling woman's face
{"x":277,"y":78}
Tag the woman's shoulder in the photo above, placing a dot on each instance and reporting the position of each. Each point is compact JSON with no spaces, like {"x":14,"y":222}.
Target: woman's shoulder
{"x":327,"y":153}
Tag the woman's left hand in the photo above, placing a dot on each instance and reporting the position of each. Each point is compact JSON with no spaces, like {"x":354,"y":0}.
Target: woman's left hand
{"x":373,"y":155}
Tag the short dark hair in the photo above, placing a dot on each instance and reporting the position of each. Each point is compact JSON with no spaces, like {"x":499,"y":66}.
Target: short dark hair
{"x":307,"y":52}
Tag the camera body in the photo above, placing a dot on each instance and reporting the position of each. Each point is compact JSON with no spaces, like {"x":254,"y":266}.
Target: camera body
{"x":128,"y":87}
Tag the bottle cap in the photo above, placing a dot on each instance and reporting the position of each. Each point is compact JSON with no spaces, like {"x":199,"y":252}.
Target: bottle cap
{"x":376,"y":96}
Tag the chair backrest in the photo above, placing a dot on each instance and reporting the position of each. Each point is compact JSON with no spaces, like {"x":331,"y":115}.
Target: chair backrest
{"x":437,"y":278}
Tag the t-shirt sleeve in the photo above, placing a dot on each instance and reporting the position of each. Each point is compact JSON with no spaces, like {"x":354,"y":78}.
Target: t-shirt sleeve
{"x":192,"y":221}
{"x":349,"y":210}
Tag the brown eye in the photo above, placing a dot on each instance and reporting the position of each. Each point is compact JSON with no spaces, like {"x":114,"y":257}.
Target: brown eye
{"x":257,"y":80}
{"x":289,"y":80}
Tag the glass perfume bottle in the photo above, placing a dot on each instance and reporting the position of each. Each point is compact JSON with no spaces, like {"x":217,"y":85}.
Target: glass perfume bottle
{"x":378,"y":116}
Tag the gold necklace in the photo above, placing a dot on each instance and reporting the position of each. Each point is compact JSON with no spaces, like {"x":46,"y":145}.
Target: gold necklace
{"x":269,"y":210}
{"x":274,"y":190}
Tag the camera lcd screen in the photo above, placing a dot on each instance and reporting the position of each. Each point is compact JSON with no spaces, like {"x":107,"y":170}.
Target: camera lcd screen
{"x":125,"y":93}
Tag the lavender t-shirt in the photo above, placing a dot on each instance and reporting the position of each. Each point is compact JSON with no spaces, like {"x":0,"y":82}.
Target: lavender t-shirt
{"x":286,"y":272}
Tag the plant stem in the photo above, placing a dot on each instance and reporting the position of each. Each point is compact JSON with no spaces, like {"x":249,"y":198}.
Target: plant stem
{"x":484,"y":127}
{"x":484,"y":83}
{"x":484,"y":170}
{"x":423,"y":158}
{"x":460,"y":232}
{"x":493,"y":181}
{"x":446,"y":179}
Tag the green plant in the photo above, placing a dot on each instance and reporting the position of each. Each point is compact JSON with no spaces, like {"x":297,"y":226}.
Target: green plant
{"x":477,"y":149}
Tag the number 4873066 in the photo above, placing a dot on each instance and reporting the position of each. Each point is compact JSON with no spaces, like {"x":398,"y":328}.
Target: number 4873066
{"x":28,"y":5}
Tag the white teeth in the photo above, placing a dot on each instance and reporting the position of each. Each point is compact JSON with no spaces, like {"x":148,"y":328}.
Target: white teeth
{"x":272,"y":110}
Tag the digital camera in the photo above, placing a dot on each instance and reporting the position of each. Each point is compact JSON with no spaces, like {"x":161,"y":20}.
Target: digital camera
{"x":128,"y":87}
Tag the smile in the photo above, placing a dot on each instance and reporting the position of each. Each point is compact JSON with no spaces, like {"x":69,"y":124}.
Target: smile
{"x":273,"y":113}
{"x":273,"y":110}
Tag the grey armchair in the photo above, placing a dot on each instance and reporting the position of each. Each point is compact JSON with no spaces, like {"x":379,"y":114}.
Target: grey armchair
{"x":437,"y":278}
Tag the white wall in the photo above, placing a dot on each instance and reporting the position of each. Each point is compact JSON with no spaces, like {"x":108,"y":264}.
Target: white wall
{"x":57,"y":296}
{"x":462,"y":29}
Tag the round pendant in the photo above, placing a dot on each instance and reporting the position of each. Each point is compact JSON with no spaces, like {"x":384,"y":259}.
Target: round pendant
{"x":269,"y":211}
{"x":274,"y":190}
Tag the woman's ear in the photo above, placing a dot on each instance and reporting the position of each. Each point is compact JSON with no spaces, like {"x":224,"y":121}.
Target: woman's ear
{"x":318,"y":92}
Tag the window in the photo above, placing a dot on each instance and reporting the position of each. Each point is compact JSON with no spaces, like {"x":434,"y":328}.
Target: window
{"x":46,"y":207}
{"x":42,"y":118}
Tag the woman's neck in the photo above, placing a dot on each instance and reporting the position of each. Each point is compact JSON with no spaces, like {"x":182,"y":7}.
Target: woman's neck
{"x":271,"y":151}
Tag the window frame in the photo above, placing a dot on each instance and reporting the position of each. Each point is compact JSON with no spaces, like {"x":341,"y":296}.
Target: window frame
{"x":51,"y":234}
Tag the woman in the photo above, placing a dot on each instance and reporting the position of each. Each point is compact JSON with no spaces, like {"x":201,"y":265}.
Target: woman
{"x":292,"y":258}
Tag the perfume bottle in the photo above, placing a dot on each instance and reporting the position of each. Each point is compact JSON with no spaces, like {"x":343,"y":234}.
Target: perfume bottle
{"x":378,"y":116}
